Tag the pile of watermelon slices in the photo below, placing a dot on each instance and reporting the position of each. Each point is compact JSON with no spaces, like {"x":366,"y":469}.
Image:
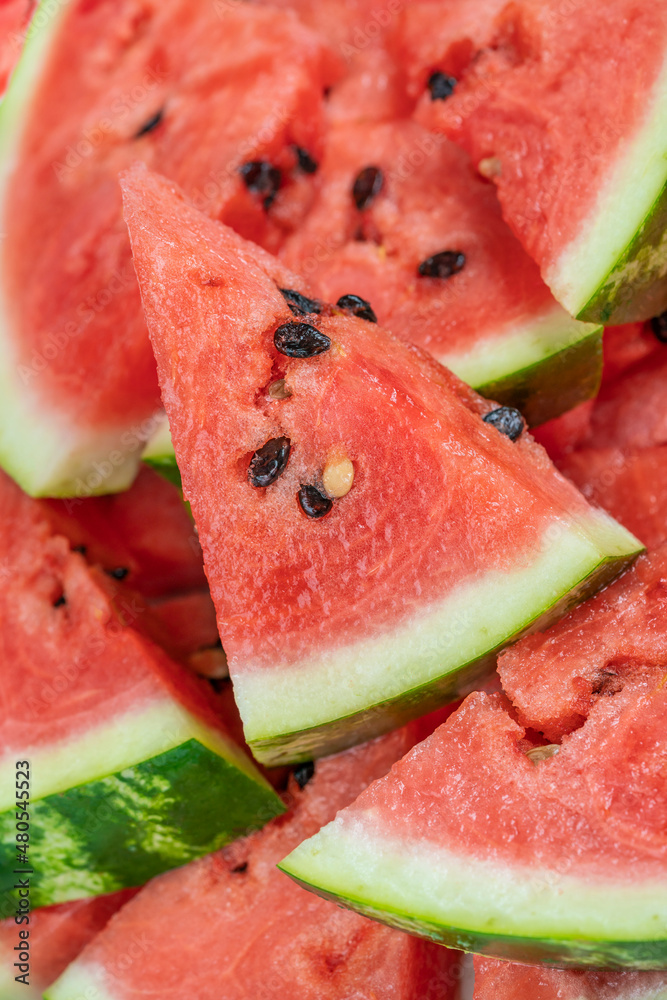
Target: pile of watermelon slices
{"x":333,"y":500}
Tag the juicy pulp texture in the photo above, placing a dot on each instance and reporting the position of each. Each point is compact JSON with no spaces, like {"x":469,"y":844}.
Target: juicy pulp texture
{"x":555,"y":678}
{"x":99,"y":87}
{"x":57,"y":935}
{"x":195,"y":923}
{"x":582,"y":170}
{"x":118,"y":736}
{"x":506,"y":981}
{"x":471,"y":842}
{"x":495,"y":323}
{"x":441,"y":500}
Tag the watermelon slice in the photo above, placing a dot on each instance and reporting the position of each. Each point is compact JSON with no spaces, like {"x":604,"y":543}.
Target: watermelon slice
{"x":487,"y":840}
{"x":493,"y":321}
{"x":55,"y":935}
{"x":338,"y":626}
{"x":506,"y":981}
{"x":131,"y":770}
{"x":222,"y":103}
{"x":194,"y":923}
{"x":579,"y":156}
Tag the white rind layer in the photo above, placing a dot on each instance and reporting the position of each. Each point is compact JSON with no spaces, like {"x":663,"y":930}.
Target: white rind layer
{"x":354,"y":860}
{"x":522,"y":346}
{"x":593,"y":260}
{"x":478,"y":617}
{"x":132,"y":737}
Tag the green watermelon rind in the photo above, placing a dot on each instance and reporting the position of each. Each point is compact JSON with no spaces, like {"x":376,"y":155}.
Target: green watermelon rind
{"x":299,"y":712}
{"x":97,"y":828}
{"x":536,"y":916}
{"x":544,"y":367}
{"x":626,"y":262}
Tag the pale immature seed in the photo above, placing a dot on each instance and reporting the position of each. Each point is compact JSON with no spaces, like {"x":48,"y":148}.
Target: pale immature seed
{"x":278,"y":390}
{"x":490,"y":167}
{"x":538,"y":754}
{"x":338,"y":475}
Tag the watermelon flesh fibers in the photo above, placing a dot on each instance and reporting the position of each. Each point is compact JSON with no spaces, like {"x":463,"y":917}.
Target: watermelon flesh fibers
{"x":132,"y":769}
{"x":98,"y":87}
{"x":194,"y":923}
{"x":344,"y":650}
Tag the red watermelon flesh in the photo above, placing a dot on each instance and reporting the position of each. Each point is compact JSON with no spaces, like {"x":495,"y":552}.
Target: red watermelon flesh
{"x":567,"y":157}
{"x":506,"y":981}
{"x":632,"y":487}
{"x":560,"y":859}
{"x":230,"y":90}
{"x":311,"y":578}
{"x":431,"y":201}
{"x":624,"y":346}
{"x":556,"y":677}
{"x":195,"y":923}
{"x":57,"y":935}
{"x":631,"y":411}
{"x":146,"y":531}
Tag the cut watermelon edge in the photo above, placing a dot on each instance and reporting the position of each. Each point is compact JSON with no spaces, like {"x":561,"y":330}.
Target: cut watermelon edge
{"x":287,"y":719}
{"x":626,"y":262}
{"x":540,"y":911}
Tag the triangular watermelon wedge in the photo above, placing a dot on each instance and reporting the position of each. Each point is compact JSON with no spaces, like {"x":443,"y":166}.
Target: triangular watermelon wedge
{"x":406,"y":539}
{"x":490,"y":839}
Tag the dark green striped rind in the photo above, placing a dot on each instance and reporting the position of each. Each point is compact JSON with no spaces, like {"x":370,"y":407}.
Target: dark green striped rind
{"x":636,"y":288}
{"x":563,"y":953}
{"x":553,"y":385}
{"x":125,"y":828}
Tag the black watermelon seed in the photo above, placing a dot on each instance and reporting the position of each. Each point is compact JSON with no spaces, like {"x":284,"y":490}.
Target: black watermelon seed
{"x":441,"y":85}
{"x":240,"y":869}
{"x":312,"y":503}
{"x":358,"y":307}
{"x":150,"y":124}
{"x":659,"y":327}
{"x":507,"y":420}
{"x":262,"y":177}
{"x":81,"y":549}
{"x":442,"y":265}
{"x":119,"y":572}
{"x":367,"y":186}
{"x":300,"y":304}
{"x":268,"y":462}
{"x":303,"y":773}
{"x":300,"y":340}
{"x":58,"y":603}
{"x":305,"y":161}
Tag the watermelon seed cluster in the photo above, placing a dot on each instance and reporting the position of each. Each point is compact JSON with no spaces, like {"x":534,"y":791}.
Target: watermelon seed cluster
{"x":263,"y":178}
